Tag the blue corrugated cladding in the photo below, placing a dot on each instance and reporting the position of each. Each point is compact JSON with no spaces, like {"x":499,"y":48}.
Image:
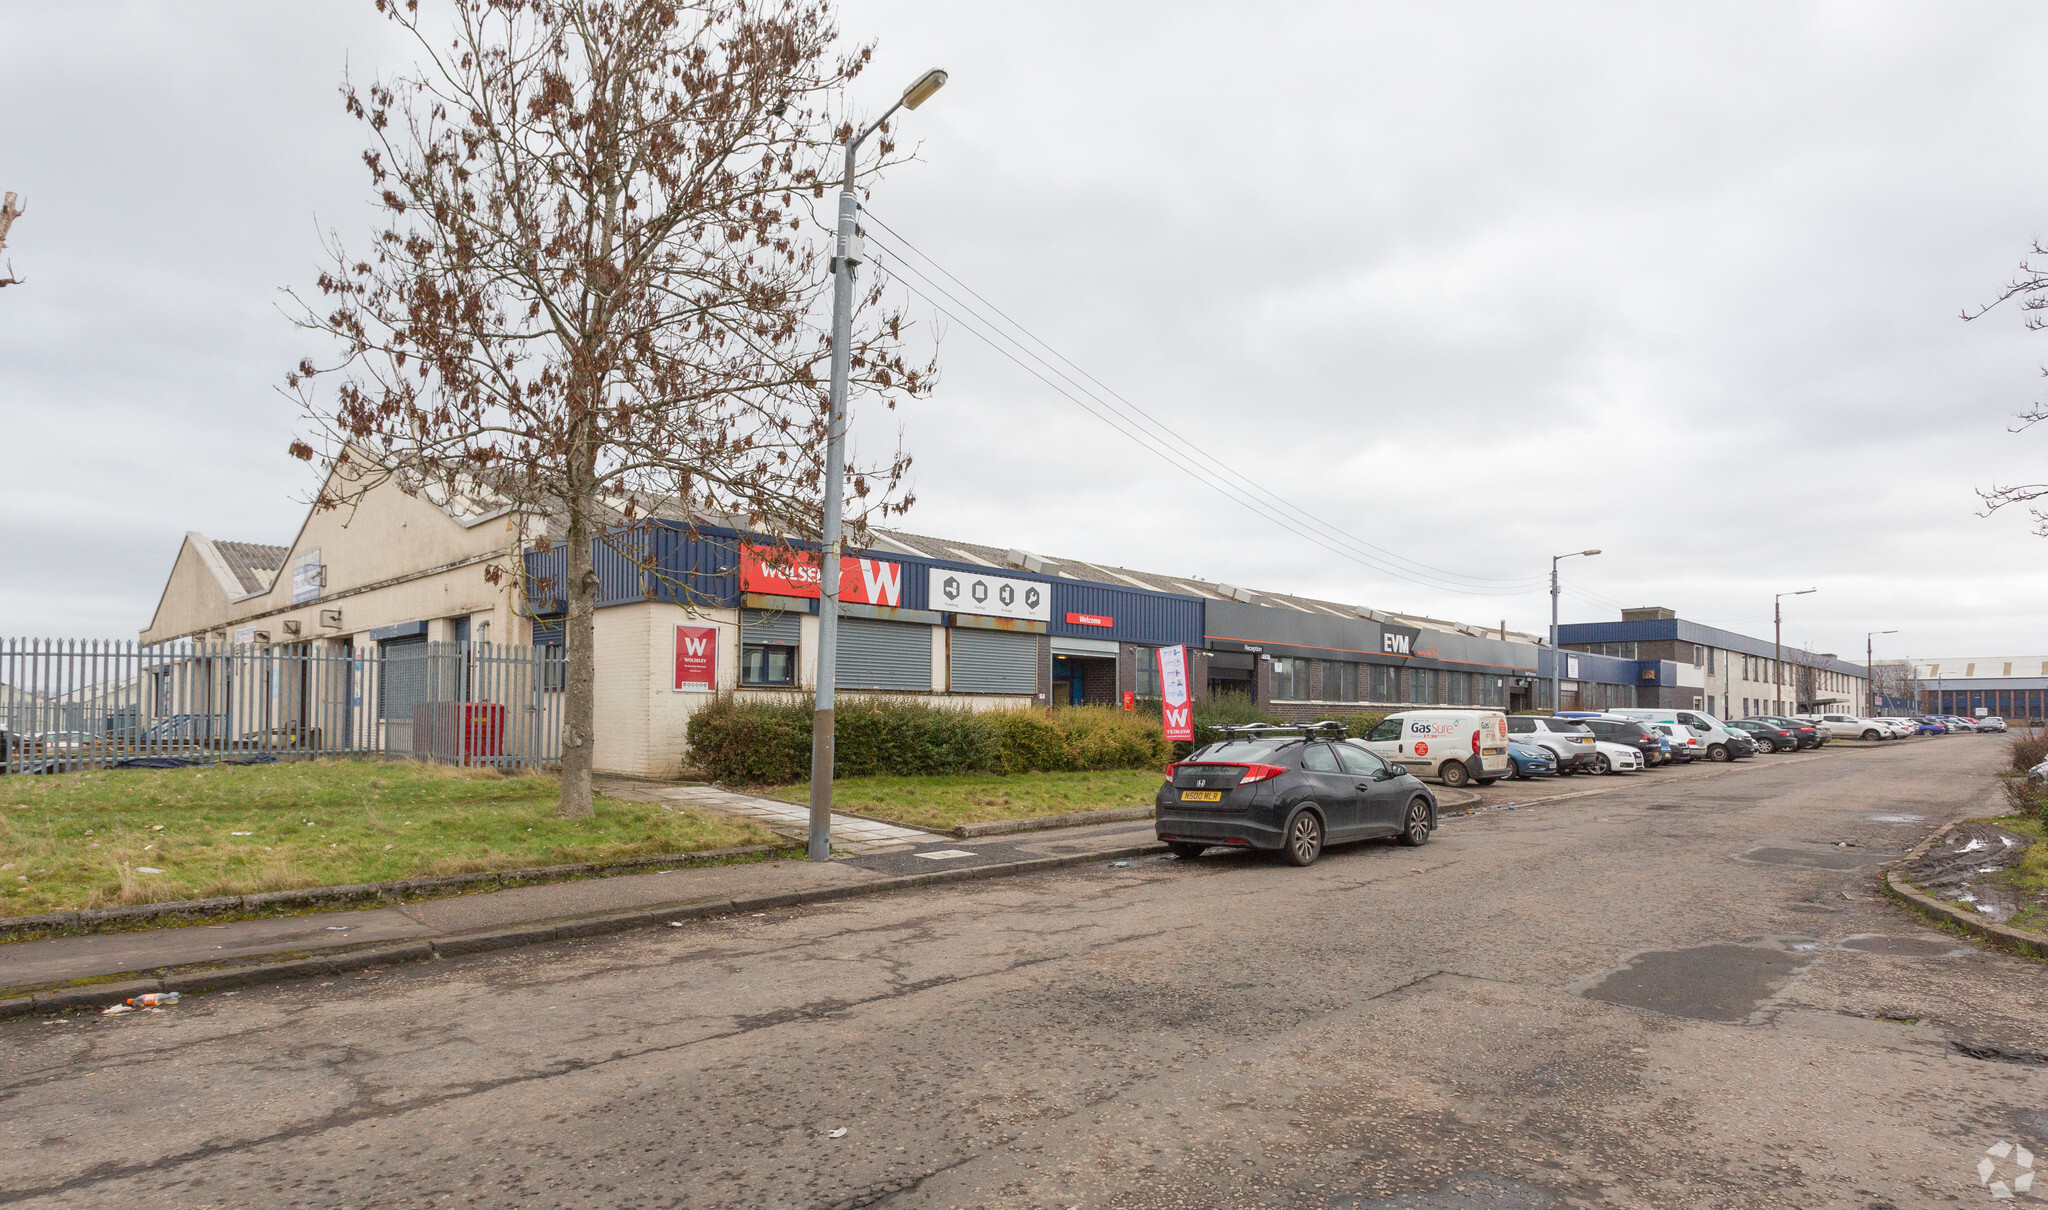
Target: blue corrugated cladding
{"x":1156,"y":619}
{"x":664,"y":561}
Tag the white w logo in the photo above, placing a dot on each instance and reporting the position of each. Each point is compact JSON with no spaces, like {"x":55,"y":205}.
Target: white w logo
{"x":884,"y":581}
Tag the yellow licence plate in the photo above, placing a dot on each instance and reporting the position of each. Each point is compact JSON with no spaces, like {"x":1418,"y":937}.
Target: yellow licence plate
{"x":1201,"y":796}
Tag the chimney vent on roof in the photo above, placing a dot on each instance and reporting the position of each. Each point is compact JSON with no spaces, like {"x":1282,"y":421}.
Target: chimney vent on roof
{"x":1649,"y":613}
{"x":1370,"y":615}
{"x":1235,"y":593}
{"x":1025,"y":560}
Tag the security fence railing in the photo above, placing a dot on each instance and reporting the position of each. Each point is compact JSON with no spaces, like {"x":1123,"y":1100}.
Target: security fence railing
{"x":84,"y":704}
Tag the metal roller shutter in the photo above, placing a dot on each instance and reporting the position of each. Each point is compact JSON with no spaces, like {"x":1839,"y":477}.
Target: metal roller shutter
{"x":994,"y":661}
{"x":885,"y":655}
{"x":763,"y":626}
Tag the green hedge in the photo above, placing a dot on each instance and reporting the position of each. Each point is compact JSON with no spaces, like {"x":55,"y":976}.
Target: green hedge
{"x":767,"y":740}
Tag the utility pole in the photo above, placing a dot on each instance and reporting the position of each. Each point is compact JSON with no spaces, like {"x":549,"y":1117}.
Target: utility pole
{"x":1778,"y":646}
{"x":1870,"y":670}
{"x":846,"y":253}
{"x":1557,"y":658}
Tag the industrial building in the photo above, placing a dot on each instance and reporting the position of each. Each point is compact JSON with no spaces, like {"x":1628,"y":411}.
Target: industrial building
{"x":2012,"y":687}
{"x":689,"y":612}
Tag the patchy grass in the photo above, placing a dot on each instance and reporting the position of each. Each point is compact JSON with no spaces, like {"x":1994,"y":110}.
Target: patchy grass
{"x":945,"y":801}
{"x":83,"y":840}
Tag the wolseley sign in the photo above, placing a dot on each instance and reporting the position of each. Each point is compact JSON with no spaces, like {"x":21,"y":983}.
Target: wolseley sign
{"x":861,"y":581}
{"x":991,"y":596}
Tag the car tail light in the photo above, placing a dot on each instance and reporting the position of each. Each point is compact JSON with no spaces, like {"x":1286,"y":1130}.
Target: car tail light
{"x":1171,"y":769}
{"x":1475,"y":743}
{"x":1254,"y":773}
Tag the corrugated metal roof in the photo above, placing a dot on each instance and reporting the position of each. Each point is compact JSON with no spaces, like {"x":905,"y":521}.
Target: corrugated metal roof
{"x":254,"y":564}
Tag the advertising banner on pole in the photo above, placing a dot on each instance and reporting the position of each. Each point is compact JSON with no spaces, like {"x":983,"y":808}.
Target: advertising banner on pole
{"x":1175,"y":703}
{"x":696,"y":659}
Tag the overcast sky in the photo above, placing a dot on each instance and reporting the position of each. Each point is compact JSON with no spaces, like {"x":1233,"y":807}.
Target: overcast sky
{"x":1473,"y":284}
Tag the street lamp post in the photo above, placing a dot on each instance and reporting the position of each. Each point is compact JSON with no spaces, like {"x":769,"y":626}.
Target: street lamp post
{"x":1778,"y":645}
{"x":1556,"y":659}
{"x":846,"y":253}
{"x":1870,"y":669}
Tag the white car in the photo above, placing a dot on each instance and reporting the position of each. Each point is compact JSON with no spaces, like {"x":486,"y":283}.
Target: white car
{"x":1610,"y":757}
{"x":1687,"y":745}
{"x":1904,"y":726}
{"x":1848,"y":726}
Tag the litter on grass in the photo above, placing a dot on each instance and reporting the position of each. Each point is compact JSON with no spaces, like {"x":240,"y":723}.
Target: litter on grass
{"x":147,"y":869}
{"x":1973,"y":846}
{"x":675,"y":924}
{"x":837,"y":1134}
{"x":241,"y":833}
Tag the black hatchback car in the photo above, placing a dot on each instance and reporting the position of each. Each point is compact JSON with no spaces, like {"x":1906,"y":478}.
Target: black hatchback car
{"x":1264,"y":788}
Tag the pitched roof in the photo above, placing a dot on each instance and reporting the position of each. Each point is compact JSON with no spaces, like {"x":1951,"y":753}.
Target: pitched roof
{"x":254,"y":564}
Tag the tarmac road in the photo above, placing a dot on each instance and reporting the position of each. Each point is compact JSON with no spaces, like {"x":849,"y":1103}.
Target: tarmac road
{"x":1683,"y":991}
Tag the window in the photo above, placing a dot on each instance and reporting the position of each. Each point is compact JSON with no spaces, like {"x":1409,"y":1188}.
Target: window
{"x":1517,"y":725}
{"x":1384,"y":683}
{"x":768,"y":642}
{"x":1699,"y":655}
{"x":1422,"y":686}
{"x":1317,"y":758}
{"x":1457,"y":688}
{"x":1710,"y":660}
{"x":1290,"y":680}
{"x":1146,"y":662}
{"x":1358,"y":762}
{"x":1493,"y":690}
{"x":768,"y":665}
{"x":1387,"y":730}
{"x":1340,"y":682}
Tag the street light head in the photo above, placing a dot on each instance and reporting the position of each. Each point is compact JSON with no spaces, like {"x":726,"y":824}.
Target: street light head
{"x":922,"y":88}
{"x":1887,"y":632}
{"x":1802,"y":592}
{"x":1589,"y":552}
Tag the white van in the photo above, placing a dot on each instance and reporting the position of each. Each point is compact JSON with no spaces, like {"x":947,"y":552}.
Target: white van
{"x":1455,"y":746}
{"x":1710,"y":729}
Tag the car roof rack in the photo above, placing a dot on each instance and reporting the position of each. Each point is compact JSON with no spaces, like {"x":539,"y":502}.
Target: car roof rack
{"x":1325,"y":728}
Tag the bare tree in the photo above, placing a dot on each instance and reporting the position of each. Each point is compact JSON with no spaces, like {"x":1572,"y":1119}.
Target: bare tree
{"x":10,"y":209}
{"x":1896,"y":679}
{"x":2030,"y":286}
{"x":593,"y":296}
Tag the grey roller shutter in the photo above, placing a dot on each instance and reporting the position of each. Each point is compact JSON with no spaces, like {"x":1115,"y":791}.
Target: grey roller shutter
{"x":885,"y":655}
{"x":775,"y":628}
{"x":993,"y":661}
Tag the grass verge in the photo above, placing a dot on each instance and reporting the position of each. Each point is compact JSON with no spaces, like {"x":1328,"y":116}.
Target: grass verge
{"x":948,"y":800}
{"x":90,"y":840}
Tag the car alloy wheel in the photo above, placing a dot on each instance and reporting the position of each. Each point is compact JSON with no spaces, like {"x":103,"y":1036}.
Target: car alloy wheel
{"x":1416,"y":834}
{"x":1304,"y":839}
{"x":1718,"y":754}
{"x":1602,"y":764}
{"x":1870,"y":735}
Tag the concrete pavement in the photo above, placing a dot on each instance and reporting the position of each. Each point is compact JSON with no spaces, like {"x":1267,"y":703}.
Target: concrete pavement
{"x":1673,"y":993}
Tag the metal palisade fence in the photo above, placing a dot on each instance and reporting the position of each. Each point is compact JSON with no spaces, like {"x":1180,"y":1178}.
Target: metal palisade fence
{"x":68,"y":704}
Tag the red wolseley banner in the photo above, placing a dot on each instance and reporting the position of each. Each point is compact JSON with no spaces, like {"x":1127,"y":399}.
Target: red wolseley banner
{"x":861,"y":581}
{"x":1174,"y":703}
{"x":697,"y":658}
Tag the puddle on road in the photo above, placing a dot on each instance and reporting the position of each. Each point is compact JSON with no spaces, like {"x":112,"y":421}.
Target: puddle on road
{"x":1902,"y":947}
{"x":1812,"y":859}
{"x":1705,"y":983}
